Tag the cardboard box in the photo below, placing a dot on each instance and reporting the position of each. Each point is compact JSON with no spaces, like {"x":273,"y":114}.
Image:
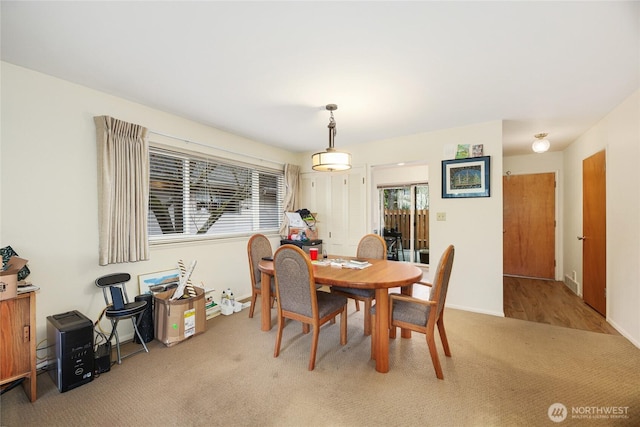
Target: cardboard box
{"x":9,"y":277}
{"x":177,"y":320}
{"x":8,"y":285}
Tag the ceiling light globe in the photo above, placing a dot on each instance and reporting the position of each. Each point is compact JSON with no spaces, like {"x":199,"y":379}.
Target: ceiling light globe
{"x":540,"y":145}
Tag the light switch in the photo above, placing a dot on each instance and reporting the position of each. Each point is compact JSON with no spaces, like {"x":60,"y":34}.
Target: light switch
{"x":441,"y":216}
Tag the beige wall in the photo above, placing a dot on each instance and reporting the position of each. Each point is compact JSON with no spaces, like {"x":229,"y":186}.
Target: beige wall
{"x":619,"y":134}
{"x":48,"y":203}
{"x":474,"y":225}
{"x":48,"y":209}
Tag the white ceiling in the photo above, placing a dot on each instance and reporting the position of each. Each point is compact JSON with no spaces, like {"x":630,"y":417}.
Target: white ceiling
{"x":265,"y":70}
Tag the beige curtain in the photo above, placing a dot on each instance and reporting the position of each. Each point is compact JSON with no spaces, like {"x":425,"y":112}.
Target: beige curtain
{"x":291,"y":196}
{"x":123,"y":190}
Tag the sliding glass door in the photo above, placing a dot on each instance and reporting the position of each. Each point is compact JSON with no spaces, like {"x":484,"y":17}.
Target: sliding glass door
{"x":404,"y":211}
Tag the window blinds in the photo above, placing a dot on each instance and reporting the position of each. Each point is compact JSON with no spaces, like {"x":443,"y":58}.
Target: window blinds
{"x":198,"y":195}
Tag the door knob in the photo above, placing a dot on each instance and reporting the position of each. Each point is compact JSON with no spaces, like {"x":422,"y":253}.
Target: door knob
{"x":582,"y":238}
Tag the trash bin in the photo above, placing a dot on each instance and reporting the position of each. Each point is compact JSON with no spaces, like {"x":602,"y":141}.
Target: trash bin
{"x":145,"y":325}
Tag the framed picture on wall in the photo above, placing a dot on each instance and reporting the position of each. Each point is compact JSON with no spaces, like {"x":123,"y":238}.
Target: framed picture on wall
{"x":466,"y":177}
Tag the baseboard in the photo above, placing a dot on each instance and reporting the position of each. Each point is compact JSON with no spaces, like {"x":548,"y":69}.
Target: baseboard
{"x":624,"y":333}
{"x":475,"y":310}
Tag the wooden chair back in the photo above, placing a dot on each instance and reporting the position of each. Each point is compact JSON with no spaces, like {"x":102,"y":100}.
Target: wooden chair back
{"x":295,"y":285}
{"x":372,"y":246}
{"x":258,"y":247}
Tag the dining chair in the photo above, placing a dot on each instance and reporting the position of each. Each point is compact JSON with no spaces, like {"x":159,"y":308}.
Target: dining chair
{"x":298,"y":298}
{"x":258,"y":247}
{"x":371,"y":246}
{"x":119,"y":307}
{"x":423,"y":315}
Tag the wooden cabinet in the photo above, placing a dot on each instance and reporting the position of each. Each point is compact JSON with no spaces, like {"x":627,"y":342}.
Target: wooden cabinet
{"x":18,"y":341}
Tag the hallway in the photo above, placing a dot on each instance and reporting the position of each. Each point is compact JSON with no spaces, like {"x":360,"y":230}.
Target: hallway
{"x":551,"y":302}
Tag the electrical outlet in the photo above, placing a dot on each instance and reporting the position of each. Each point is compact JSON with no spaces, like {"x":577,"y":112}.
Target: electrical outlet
{"x":441,"y":216}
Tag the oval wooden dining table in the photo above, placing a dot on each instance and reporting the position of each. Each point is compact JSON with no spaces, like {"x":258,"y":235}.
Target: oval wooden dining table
{"x":381,"y":275}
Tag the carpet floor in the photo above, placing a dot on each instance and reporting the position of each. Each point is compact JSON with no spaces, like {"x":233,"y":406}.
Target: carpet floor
{"x":503,"y":372}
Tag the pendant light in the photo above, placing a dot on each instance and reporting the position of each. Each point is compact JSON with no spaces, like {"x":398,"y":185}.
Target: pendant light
{"x":331,"y":159}
{"x":541,"y":144}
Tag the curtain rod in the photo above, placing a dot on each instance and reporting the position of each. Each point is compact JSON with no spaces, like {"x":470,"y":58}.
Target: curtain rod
{"x":214,"y":147}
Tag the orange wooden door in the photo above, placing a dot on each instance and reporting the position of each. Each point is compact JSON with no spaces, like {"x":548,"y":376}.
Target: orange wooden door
{"x":594,"y":232}
{"x":529,"y":225}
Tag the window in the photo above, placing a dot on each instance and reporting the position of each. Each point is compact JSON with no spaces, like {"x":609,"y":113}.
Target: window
{"x":199,"y":196}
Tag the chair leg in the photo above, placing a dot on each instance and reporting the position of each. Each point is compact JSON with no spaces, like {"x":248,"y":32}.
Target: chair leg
{"x":276,"y":351}
{"x":357,"y":304}
{"x":137,"y":331}
{"x":431,"y":342}
{"x":314,"y":347}
{"x":392,"y":331}
{"x":114,"y":332}
{"x":254,"y":297}
{"x":367,"y":317}
{"x":443,"y":337}
{"x":392,"y":328}
{"x":343,"y":326}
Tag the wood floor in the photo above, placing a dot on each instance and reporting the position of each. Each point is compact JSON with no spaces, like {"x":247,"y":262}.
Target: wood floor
{"x":547,"y":301}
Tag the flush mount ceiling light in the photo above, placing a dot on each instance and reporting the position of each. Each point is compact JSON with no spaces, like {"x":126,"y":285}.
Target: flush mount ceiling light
{"x":541,"y":144}
{"x":331,"y":159}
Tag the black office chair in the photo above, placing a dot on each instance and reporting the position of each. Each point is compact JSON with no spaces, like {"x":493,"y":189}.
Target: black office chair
{"x":119,"y":307}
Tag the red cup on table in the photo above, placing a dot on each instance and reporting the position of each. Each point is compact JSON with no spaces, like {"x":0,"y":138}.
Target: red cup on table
{"x":313,"y":253}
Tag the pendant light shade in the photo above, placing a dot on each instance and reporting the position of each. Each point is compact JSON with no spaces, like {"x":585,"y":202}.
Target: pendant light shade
{"x":331,"y":159}
{"x":541,"y":144}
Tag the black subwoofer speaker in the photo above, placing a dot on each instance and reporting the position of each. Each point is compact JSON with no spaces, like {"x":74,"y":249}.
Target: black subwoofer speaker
{"x":145,"y":326}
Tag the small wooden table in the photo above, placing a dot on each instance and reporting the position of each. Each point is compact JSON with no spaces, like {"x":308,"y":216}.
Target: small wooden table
{"x":381,"y":275}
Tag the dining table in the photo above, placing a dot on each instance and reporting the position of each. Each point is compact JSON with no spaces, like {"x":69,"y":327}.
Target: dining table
{"x":380,"y":275}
